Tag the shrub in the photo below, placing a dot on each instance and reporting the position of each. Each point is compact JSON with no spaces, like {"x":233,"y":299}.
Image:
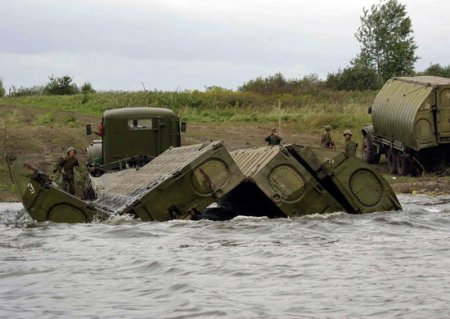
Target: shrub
{"x":437,"y":70}
{"x":270,"y":85}
{"x":357,"y":77}
{"x":63,"y":85}
{"x":87,"y":88}
{"x":277,"y":84}
{"x":32,"y":91}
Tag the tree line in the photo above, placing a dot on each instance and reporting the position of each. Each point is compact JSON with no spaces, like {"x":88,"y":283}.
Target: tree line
{"x":63,"y":85}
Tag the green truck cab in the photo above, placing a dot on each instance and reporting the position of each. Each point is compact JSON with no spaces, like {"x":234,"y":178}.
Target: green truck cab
{"x":132,"y":136}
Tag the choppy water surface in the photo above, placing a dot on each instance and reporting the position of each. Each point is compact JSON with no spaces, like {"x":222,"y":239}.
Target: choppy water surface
{"x":379,"y":265}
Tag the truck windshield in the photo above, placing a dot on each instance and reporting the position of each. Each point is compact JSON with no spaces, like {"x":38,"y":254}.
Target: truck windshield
{"x":140,"y":124}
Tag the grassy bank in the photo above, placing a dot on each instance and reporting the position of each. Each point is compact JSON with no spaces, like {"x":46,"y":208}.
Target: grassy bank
{"x":309,"y":111}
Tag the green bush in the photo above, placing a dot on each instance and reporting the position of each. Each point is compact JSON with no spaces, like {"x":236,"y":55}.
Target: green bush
{"x":32,"y":91}
{"x":63,"y":85}
{"x":355,"y":78}
{"x":277,"y":84}
{"x":87,"y":88}
{"x":437,"y":70}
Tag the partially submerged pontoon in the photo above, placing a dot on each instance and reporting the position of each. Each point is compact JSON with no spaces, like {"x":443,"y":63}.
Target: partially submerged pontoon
{"x":182,"y":182}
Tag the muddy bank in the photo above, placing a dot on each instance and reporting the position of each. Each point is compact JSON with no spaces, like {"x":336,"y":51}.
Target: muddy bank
{"x":421,"y":185}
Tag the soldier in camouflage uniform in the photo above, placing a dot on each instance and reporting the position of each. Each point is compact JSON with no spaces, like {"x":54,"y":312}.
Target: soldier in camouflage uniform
{"x":273,"y":139}
{"x":350,"y":145}
{"x":65,"y":166}
{"x":327,"y":140}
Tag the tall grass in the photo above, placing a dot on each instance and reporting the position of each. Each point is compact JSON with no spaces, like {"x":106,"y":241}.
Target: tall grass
{"x":312,"y":110}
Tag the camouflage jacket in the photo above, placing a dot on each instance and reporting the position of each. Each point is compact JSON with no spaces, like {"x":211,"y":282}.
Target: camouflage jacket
{"x":326,"y":141}
{"x":350,"y":148}
{"x":66,"y":164}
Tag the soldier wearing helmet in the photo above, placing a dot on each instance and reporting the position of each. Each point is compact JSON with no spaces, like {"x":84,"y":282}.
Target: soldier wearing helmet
{"x":65,"y":166}
{"x":350,"y":145}
{"x":327,"y":141}
{"x":273,"y":138}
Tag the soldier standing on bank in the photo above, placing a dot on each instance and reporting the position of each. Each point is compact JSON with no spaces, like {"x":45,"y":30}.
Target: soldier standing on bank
{"x":327,"y":141}
{"x":273,"y":139}
{"x":350,"y":145}
{"x":65,"y":167}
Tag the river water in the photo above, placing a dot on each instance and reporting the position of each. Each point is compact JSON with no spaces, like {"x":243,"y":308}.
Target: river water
{"x":380,"y":265}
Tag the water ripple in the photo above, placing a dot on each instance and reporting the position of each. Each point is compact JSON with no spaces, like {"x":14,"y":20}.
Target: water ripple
{"x":385,"y":264}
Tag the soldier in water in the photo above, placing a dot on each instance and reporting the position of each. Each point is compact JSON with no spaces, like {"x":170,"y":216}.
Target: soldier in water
{"x":327,"y":141}
{"x":273,"y":138}
{"x":350,"y":145}
{"x":65,"y":166}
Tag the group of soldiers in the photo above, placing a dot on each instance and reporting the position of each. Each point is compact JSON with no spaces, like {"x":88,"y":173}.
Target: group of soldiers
{"x":326,"y":141}
{"x":349,"y":144}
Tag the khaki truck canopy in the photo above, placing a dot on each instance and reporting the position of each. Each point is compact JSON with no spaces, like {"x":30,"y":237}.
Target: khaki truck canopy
{"x":413,"y":112}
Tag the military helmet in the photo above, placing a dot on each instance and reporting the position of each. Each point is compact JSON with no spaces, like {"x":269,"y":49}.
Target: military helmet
{"x":348,"y":132}
{"x":71,"y":149}
{"x":327,"y":127}
{"x":274,"y":130}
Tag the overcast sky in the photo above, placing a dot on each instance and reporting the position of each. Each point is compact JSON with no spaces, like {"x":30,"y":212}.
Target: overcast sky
{"x":191,"y":44}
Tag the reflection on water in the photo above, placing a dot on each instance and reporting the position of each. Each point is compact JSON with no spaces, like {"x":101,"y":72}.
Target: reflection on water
{"x":336,"y":265}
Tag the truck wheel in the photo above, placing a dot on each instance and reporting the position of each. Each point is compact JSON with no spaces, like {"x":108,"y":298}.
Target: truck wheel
{"x":376,"y":158}
{"x":368,"y":153}
{"x":403,"y":165}
{"x":392,"y":156}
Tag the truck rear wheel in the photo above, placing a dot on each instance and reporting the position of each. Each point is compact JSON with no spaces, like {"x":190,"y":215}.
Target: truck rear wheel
{"x":392,"y":157}
{"x":368,"y":152}
{"x":403,"y":165}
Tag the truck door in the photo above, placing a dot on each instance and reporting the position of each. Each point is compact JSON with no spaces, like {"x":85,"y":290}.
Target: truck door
{"x":443,"y":115}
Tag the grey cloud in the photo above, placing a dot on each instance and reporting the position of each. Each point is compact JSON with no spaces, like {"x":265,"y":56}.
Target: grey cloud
{"x":116,"y":45}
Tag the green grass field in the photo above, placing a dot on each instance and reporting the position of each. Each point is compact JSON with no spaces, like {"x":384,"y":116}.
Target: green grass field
{"x":310,"y":111}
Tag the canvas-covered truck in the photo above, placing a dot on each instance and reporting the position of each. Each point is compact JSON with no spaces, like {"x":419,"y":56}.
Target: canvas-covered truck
{"x":410,"y":125}
{"x":132,"y":136}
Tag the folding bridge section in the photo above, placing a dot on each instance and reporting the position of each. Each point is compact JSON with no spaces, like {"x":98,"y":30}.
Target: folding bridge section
{"x":179,"y":183}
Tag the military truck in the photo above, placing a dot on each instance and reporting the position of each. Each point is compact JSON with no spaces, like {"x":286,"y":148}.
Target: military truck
{"x":132,"y":136}
{"x":410,"y":125}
